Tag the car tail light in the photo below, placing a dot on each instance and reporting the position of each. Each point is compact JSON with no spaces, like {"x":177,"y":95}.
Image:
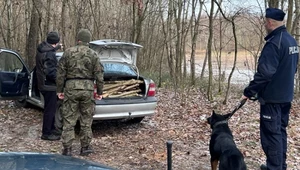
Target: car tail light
{"x":151,"y":91}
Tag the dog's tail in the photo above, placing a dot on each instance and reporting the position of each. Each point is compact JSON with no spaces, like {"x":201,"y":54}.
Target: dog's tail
{"x":232,"y":160}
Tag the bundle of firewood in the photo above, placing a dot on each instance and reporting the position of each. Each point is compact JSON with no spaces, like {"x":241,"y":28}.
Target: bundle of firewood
{"x":124,"y":88}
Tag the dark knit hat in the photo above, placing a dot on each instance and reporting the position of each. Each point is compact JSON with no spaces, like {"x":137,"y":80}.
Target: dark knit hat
{"x":53,"y":37}
{"x":84,"y":35}
{"x":275,"y":14}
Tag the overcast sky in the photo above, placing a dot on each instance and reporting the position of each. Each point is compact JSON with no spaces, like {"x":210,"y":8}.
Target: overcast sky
{"x":254,"y":6}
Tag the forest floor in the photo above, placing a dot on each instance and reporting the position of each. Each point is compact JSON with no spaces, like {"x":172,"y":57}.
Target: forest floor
{"x":180,"y":118}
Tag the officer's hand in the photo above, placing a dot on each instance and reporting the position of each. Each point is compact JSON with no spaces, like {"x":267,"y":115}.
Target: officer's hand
{"x":98,"y":97}
{"x":244,"y":97}
{"x":60,"y":96}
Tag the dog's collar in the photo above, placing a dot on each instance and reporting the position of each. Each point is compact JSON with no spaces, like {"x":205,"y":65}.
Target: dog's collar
{"x":221,"y":122}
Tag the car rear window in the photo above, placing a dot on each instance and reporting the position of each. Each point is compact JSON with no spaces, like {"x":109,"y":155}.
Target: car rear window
{"x":118,"y":68}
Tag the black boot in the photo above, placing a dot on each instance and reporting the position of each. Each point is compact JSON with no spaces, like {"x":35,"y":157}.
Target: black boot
{"x":86,"y":150}
{"x":51,"y":137}
{"x":57,"y":132}
{"x":67,"y":151}
{"x":263,"y":167}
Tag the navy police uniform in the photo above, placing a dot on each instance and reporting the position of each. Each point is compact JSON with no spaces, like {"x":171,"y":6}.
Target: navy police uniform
{"x":273,"y":84}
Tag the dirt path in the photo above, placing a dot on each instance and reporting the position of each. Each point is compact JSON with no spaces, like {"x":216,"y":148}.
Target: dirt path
{"x":143,"y":146}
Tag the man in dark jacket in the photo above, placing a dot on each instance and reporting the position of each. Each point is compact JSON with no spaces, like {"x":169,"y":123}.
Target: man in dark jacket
{"x":273,"y":85}
{"x":46,"y":66}
{"x":78,"y":69}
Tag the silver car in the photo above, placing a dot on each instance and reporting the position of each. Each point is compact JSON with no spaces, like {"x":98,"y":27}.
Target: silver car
{"x":119,"y":62}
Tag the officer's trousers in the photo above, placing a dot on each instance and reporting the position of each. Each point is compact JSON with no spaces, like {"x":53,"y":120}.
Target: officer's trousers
{"x":273,"y":122}
{"x":77,"y":105}
{"x":50,"y":99}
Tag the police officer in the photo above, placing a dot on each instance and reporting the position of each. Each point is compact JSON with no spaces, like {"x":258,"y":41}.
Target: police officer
{"x":273,"y":84}
{"x":78,"y":69}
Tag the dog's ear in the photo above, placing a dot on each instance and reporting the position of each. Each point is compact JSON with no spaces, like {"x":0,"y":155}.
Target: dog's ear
{"x":209,"y":120}
{"x":213,"y":113}
{"x":227,"y":116}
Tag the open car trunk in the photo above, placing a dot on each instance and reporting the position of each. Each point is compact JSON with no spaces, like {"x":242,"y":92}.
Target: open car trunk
{"x":123,"y":87}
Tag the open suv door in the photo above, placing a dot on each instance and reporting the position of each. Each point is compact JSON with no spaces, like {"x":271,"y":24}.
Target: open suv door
{"x":14,"y":76}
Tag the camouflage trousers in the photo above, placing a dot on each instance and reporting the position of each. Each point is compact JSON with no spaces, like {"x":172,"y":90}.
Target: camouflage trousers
{"x":77,"y":105}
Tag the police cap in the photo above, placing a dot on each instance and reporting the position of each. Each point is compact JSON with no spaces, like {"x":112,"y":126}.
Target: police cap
{"x":275,"y":13}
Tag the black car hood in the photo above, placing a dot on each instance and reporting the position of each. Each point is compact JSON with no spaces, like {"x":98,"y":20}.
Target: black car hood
{"x":45,"y":161}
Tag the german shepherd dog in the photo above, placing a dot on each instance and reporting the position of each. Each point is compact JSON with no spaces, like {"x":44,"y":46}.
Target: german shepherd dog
{"x":222,"y":146}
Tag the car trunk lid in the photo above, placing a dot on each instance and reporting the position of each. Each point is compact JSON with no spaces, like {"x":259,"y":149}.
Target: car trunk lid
{"x":110,"y":49}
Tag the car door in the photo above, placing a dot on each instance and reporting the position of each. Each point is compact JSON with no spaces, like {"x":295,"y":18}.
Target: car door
{"x":14,"y":76}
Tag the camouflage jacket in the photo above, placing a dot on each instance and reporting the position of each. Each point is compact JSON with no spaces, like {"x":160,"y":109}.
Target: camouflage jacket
{"x":78,"y":68}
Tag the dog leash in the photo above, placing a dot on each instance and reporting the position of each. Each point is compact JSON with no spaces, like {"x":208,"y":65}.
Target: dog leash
{"x":241,"y":104}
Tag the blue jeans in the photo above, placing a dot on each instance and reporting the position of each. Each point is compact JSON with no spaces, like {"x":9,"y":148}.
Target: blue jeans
{"x":274,"y":119}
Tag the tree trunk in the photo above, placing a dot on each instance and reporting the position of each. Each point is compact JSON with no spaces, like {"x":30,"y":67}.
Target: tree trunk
{"x":47,"y":24}
{"x":290,"y":16}
{"x":133,"y":21}
{"x":178,"y":74}
{"x":62,"y":23}
{"x":3,"y":32}
{"x":9,"y":24}
{"x":32,"y":40}
{"x":160,"y":68}
{"x":296,"y":23}
{"x":209,"y":50}
{"x":194,"y":35}
{"x":204,"y":64}
{"x":169,"y":41}
{"x":79,"y":13}
{"x":220,"y":57}
{"x":296,"y":28}
{"x":235,"y":49}
{"x":273,"y":3}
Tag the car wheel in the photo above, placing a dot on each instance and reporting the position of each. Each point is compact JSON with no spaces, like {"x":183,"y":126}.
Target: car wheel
{"x":136,"y":120}
{"x":58,"y":116}
{"x":21,"y":103}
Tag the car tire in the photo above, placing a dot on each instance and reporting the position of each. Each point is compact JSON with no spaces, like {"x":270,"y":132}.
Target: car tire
{"x":21,"y":103}
{"x":136,"y":120}
{"x":58,"y":116}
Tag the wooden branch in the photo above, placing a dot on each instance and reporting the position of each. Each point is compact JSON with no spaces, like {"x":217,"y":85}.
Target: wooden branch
{"x":123,"y":81}
{"x":115,"y":89}
{"x":110,"y":86}
{"x":124,"y":88}
{"x":132,"y":86}
{"x":125,"y":93}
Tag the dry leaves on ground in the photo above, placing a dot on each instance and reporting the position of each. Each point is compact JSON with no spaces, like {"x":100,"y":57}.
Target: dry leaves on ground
{"x":179,"y":117}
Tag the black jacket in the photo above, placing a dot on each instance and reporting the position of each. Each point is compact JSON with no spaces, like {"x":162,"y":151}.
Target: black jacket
{"x":46,"y":66}
{"x":274,"y":80}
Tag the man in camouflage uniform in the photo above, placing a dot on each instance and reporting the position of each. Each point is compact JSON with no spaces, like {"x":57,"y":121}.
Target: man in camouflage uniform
{"x":77,"y":70}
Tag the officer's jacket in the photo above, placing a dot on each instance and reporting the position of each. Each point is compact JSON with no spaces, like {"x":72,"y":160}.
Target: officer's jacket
{"x":46,"y":65}
{"x":277,"y":65}
{"x":78,"y":68}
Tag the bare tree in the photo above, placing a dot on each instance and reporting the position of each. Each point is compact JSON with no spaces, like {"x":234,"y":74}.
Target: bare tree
{"x":63,"y":20}
{"x":195,"y":22}
{"x":32,"y":41}
{"x":253,"y":38}
{"x":290,"y":15}
{"x":296,"y":31}
{"x":232,"y":21}
{"x":272,"y":3}
{"x":47,"y":18}
{"x":209,"y":52}
{"x":9,"y":25}
{"x":168,"y":38}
